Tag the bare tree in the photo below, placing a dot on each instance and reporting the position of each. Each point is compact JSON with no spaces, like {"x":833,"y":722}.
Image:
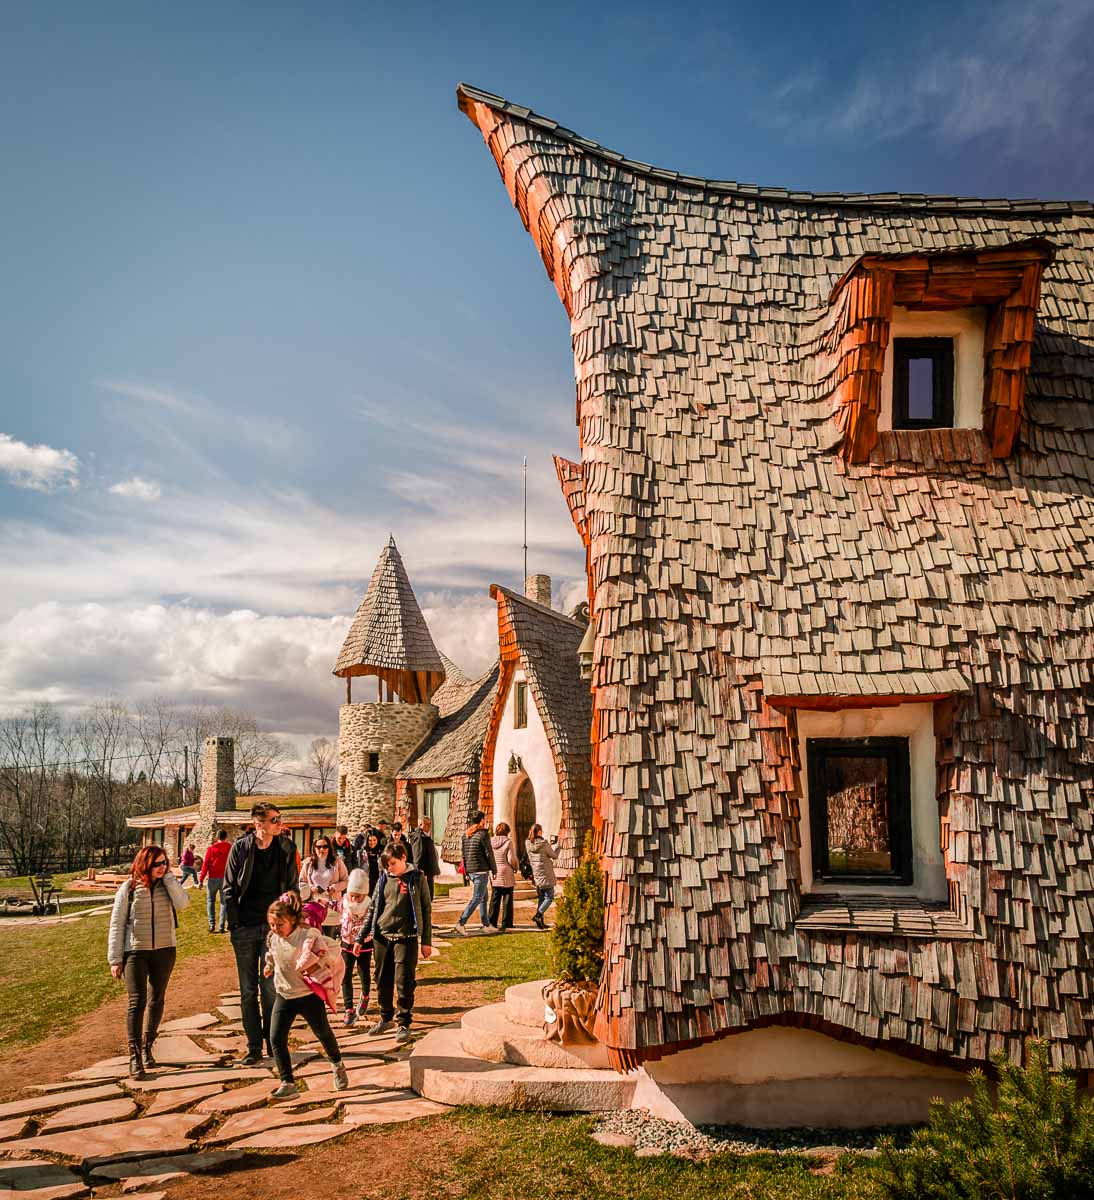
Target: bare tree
{"x":28,"y":743}
{"x":323,"y":757}
{"x":156,"y":731}
{"x":102,"y":737}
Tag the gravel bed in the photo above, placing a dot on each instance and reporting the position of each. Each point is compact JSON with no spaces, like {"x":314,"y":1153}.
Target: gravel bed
{"x":652,"y":1134}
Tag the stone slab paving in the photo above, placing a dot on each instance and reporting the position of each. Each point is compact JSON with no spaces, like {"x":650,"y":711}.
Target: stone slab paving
{"x":167,"y":1134}
{"x":98,"y":1112}
{"x":165,"y":1080}
{"x":245,"y":1124}
{"x":13,"y":1127}
{"x":407,"y":1106}
{"x":39,"y":1179}
{"x":189,"y":1024}
{"x":159,"y":1168}
{"x":173,"y":1101}
{"x":180,"y":1051}
{"x":48,"y":1101}
{"x":289,"y":1138}
{"x":193,"y":1113}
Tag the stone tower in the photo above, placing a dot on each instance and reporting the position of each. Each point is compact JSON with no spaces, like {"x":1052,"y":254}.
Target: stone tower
{"x":390,"y":640}
{"x":218,"y":788}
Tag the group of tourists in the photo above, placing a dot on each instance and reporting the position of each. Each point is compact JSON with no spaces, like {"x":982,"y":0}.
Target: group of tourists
{"x":300,"y":931}
{"x":493,"y":860}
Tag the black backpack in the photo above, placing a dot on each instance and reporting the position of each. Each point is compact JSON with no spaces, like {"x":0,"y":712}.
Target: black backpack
{"x":525,"y":867}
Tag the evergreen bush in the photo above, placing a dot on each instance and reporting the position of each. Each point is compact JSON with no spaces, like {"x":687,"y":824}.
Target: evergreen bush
{"x":1035,"y":1141}
{"x":577,"y":940}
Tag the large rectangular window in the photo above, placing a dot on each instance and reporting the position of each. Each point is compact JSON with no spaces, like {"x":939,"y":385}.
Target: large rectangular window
{"x":860,"y":815}
{"x":923,"y":383}
{"x":435,"y":802}
{"x":520,"y":706}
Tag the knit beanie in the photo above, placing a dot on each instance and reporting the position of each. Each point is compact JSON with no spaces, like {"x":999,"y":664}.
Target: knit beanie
{"x":358,"y":881}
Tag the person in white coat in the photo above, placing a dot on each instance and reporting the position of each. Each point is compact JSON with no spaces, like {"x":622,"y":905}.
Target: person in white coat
{"x":141,"y":947}
{"x":541,"y":857}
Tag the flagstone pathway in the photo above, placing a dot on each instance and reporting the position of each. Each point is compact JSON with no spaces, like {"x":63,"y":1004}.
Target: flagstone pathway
{"x":195,"y":1112}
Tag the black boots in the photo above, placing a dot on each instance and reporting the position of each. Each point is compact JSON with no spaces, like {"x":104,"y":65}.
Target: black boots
{"x":136,"y":1064}
{"x":149,"y":1061}
{"x":539,"y":922}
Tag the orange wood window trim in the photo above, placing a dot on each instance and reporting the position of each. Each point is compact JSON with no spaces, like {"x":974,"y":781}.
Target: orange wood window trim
{"x":1006,"y":280}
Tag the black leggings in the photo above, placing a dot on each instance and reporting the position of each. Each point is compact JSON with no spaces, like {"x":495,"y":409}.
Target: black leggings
{"x":141,"y":968}
{"x":362,"y":964}
{"x":314,"y":1011}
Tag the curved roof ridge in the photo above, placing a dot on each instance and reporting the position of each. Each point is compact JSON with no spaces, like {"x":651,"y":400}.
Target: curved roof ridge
{"x":466,"y":94}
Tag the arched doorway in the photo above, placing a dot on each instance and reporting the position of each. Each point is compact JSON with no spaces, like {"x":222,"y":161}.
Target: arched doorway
{"x":524,"y":814}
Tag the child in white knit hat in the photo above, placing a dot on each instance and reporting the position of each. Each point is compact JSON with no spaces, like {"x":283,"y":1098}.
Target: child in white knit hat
{"x":354,"y":908}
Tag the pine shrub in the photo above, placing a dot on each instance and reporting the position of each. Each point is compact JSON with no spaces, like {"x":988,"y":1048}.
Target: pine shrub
{"x":577,"y":940}
{"x":1035,"y":1141}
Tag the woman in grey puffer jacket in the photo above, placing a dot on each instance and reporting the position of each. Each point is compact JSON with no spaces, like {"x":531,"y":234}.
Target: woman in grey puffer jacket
{"x":541,"y":857}
{"x":141,"y":945}
{"x":504,"y":879}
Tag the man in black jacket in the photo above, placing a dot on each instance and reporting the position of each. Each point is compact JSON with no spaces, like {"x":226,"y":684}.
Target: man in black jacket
{"x":261,"y":866}
{"x":478,"y":866}
{"x":423,"y":851}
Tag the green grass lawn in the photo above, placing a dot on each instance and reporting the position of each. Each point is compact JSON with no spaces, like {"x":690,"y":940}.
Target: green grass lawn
{"x":51,"y":975}
{"x":492,"y":962}
{"x":19,"y":885}
{"x":495,"y":1152}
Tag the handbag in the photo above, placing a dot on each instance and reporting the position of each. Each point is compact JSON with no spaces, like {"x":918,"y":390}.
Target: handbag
{"x":461,"y":869}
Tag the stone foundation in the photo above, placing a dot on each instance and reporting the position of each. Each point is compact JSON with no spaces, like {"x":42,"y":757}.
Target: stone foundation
{"x":388,"y":731}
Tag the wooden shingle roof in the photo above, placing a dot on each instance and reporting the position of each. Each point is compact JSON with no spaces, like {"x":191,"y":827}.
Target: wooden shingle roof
{"x":454,"y":746}
{"x":731,"y":545}
{"x":389,"y":632}
{"x":544,"y":644}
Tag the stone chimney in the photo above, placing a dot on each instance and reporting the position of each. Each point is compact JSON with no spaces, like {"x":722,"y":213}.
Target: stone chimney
{"x":538,"y":588}
{"x":218,"y":789}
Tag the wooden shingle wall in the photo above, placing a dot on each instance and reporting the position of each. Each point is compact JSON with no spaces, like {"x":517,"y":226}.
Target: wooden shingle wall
{"x":729,"y":539}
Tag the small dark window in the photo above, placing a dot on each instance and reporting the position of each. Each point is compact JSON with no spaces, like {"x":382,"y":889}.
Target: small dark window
{"x":520,"y":706}
{"x":860,"y":810}
{"x":923,"y":383}
{"x":373,"y":764}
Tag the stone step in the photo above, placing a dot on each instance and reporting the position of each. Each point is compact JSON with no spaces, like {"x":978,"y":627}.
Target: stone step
{"x":487,"y":1033}
{"x":524,"y":1004}
{"x":441,"y":1070}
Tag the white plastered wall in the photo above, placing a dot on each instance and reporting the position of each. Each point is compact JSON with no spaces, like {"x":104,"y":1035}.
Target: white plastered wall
{"x":916,"y":723}
{"x":966,"y":327}
{"x":531,"y":746}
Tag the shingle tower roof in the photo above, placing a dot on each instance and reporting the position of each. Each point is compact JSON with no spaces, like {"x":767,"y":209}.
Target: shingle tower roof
{"x":389,"y":637}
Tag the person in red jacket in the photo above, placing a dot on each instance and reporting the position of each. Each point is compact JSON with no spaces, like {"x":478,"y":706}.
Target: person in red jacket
{"x":212,"y":868}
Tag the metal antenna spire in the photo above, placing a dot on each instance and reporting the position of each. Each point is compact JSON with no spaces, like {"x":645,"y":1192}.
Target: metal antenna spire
{"x":525,"y":580}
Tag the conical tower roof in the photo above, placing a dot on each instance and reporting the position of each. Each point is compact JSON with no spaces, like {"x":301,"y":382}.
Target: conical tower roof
{"x":389,"y":636}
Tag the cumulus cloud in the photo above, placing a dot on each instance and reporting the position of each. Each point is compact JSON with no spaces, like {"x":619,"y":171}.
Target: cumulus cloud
{"x":41,"y":468}
{"x":137,"y":488}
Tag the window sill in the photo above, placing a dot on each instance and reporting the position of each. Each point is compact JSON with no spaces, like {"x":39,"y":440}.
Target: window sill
{"x":881,"y":916}
{"x":932,"y":447}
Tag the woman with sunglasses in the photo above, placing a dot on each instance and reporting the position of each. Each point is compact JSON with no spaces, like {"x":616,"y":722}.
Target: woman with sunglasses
{"x":141,"y":947}
{"x":324,"y":877}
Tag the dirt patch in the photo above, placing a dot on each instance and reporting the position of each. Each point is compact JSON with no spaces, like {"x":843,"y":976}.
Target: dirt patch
{"x":306,"y":1174}
{"x":196,"y":986}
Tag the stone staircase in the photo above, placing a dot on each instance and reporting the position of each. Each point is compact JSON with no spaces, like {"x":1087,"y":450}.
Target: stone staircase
{"x":499,"y":1055}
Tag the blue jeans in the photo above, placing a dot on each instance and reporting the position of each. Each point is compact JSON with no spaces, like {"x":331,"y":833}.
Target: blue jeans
{"x":478,"y":898}
{"x":190,"y":873}
{"x":214,"y":887}
{"x":545,"y":896}
{"x":249,"y":944}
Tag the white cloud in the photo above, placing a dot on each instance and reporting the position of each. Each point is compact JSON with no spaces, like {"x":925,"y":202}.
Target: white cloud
{"x":137,"y":489}
{"x":41,"y":468}
{"x":1019,"y":75}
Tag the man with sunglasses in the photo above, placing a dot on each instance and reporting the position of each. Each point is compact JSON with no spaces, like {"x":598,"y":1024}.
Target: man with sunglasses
{"x":261,"y":866}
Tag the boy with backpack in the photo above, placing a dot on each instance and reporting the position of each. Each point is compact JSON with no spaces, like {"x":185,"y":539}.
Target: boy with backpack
{"x":399,"y":919}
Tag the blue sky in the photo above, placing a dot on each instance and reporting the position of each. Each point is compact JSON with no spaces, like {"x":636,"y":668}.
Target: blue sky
{"x":266,"y":299}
